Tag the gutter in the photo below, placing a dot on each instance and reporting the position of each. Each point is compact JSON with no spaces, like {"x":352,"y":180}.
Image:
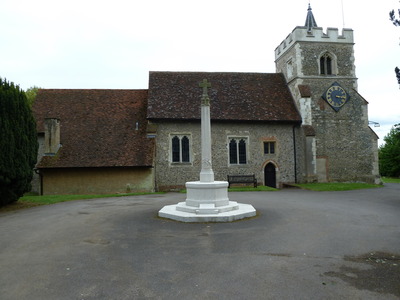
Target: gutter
{"x":37,"y":171}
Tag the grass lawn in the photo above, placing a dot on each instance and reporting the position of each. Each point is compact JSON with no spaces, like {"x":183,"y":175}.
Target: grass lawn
{"x":337,"y":186}
{"x":34,"y":200}
{"x":390,"y":180}
{"x":259,"y":188}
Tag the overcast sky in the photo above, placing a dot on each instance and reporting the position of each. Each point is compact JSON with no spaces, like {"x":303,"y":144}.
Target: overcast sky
{"x":114,"y":44}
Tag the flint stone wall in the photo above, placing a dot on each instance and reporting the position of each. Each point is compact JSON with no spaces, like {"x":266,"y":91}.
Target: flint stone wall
{"x":345,"y":145}
{"x":171,"y":176}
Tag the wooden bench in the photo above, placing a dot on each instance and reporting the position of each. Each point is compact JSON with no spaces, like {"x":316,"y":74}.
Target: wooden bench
{"x":245,"y":179}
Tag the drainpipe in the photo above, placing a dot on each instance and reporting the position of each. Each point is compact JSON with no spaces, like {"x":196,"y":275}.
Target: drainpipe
{"x":295,"y":155}
{"x":37,"y":171}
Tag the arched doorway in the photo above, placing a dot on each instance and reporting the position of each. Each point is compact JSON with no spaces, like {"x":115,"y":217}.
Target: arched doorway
{"x":270,"y":175}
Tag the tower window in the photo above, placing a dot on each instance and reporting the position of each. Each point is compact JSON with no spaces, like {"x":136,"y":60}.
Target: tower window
{"x":325,"y":64}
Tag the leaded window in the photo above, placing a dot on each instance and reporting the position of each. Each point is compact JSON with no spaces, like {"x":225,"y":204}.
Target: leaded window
{"x":185,"y":149}
{"x":325,"y":64}
{"x":237,"y":151}
{"x":180,"y":149}
{"x":233,"y":157}
{"x":269,"y":147}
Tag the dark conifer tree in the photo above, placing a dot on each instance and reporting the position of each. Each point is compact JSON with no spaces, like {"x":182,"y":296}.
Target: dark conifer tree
{"x":18,"y":143}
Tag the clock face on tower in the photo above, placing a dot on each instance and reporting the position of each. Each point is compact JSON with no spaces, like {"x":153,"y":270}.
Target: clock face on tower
{"x":336,"y":96}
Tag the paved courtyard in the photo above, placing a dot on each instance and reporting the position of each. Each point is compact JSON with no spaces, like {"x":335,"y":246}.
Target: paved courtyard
{"x":301,"y":245}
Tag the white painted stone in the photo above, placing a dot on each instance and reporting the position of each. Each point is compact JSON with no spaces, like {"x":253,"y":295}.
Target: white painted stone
{"x":207,"y":202}
{"x":206,"y":174}
{"x":305,"y":111}
{"x":243,"y":211}
{"x":207,"y":192}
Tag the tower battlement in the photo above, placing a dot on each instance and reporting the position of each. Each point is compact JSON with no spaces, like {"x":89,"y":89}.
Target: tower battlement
{"x":316,"y":34}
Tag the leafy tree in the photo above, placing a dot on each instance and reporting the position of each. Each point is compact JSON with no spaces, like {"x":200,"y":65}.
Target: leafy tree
{"x":31,"y":94}
{"x":18,"y":143}
{"x":389,"y":153}
{"x":392,"y":16}
{"x":397,"y":71}
{"x":396,"y":22}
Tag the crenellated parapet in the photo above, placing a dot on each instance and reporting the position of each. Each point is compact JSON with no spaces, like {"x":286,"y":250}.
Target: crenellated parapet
{"x":316,"y":34}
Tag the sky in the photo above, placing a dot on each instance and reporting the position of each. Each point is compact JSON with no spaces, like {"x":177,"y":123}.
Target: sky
{"x":96,"y":44}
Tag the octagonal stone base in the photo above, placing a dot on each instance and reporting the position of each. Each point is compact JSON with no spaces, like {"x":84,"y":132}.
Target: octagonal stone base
{"x":199,"y":193}
{"x":207,"y":202}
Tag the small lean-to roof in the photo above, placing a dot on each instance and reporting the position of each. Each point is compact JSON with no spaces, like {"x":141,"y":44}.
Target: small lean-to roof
{"x":305,"y":91}
{"x":98,"y":127}
{"x":256,"y":97}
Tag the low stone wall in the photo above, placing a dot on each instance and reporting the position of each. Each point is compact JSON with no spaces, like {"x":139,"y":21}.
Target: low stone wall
{"x":97,"y":180}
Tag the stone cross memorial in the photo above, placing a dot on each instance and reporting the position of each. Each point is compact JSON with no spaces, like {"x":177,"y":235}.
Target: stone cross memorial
{"x":207,"y":200}
{"x":206,"y":174}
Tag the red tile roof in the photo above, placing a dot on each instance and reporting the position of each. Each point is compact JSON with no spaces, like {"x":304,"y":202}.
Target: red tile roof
{"x":98,"y":127}
{"x":233,"y":97}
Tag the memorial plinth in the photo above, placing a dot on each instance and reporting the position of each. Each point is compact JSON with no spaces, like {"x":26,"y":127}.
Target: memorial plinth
{"x":207,"y":200}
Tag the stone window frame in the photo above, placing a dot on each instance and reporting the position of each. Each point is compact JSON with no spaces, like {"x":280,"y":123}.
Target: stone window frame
{"x":268,"y":150}
{"x":238,"y":161}
{"x":327,"y":64}
{"x":182,"y":160}
{"x":276,"y":146}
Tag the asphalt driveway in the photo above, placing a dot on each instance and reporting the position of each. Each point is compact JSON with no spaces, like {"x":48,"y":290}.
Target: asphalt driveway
{"x":301,"y":245}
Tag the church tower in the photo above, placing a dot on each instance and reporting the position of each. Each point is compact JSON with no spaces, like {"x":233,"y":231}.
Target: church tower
{"x":338,"y":144}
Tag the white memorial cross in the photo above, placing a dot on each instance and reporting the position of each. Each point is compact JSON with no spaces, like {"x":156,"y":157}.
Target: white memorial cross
{"x":206,"y":174}
{"x":207,"y":200}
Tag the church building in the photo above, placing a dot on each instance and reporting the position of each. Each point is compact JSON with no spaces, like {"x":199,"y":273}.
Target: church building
{"x":305,"y":123}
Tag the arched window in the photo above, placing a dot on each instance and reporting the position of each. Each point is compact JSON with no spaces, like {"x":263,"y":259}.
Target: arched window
{"x":242,"y":152}
{"x":237,"y":151}
{"x":176,"y":149}
{"x":180,"y":149}
{"x":326,"y":64}
{"x":185,"y":149}
{"x":233,"y":152}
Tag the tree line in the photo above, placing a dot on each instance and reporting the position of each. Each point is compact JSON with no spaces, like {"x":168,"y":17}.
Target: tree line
{"x":389,"y":153}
